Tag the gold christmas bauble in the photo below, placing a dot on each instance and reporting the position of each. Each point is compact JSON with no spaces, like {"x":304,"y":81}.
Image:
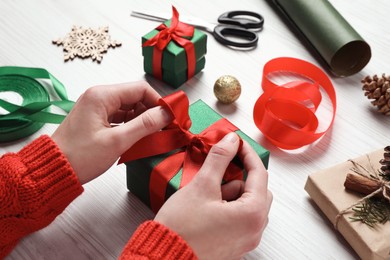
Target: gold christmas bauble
{"x":227,"y":89}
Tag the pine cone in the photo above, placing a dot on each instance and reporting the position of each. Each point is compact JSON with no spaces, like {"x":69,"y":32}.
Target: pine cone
{"x":378,"y":89}
{"x":386,"y":161}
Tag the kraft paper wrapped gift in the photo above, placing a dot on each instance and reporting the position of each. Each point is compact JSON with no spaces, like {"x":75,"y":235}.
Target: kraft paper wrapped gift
{"x":139,"y":171}
{"x":174,"y":62}
{"x":326,"y":188}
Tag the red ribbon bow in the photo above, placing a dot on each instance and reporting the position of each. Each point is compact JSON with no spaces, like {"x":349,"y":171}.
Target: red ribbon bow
{"x":190,"y":149}
{"x":286,"y":114}
{"x":176,"y":31}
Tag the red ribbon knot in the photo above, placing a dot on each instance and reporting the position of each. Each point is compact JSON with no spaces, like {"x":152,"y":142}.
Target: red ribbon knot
{"x":176,"y":31}
{"x":189,"y":150}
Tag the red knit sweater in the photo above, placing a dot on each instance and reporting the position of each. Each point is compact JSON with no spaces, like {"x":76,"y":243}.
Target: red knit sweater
{"x":38,"y":183}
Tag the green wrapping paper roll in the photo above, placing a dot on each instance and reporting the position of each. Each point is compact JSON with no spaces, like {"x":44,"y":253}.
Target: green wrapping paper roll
{"x":343,"y":49}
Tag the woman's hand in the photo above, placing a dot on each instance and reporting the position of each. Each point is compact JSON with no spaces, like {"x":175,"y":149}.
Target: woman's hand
{"x":221,"y":222}
{"x":93,"y":137}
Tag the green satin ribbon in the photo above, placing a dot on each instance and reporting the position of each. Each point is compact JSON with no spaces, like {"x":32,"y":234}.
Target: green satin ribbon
{"x":26,"y":119}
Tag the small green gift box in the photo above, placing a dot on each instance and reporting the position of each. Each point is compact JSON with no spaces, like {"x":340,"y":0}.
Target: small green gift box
{"x":139,"y":171}
{"x":175,"y":61}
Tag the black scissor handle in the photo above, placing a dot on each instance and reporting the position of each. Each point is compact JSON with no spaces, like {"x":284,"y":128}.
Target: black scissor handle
{"x":230,"y":18}
{"x":247,"y":38}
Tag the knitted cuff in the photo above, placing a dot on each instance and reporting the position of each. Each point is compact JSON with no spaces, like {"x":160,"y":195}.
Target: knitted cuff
{"x":51,"y":183}
{"x":153,"y":240}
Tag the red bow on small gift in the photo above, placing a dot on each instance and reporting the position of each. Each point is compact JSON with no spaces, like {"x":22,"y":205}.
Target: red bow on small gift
{"x":176,"y":31}
{"x":190,"y":150}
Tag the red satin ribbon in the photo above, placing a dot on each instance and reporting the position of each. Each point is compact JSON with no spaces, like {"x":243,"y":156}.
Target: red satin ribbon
{"x":176,"y":31}
{"x":190,"y":149}
{"x":281,"y":113}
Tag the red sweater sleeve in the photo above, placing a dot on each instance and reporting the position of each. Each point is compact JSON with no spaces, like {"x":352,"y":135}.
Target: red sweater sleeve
{"x":154,"y":241}
{"x":36,"y":185}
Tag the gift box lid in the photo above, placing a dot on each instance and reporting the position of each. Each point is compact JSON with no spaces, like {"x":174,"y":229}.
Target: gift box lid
{"x":174,"y":56}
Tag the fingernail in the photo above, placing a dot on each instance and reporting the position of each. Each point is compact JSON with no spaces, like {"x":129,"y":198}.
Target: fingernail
{"x":231,"y":137}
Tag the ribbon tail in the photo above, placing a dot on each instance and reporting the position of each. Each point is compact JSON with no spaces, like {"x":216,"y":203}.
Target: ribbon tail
{"x":191,"y":59}
{"x":190,"y":53}
{"x":157,"y":60}
{"x":192,"y":163}
{"x":160,"y":177}
{"x":175,"y":18}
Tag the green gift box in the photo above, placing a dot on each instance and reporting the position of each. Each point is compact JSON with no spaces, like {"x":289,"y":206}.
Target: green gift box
{"x":139,"y":171}
{"x":174,"y":62}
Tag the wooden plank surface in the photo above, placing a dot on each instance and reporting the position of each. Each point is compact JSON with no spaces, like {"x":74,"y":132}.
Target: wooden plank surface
{"x":98,"y":224}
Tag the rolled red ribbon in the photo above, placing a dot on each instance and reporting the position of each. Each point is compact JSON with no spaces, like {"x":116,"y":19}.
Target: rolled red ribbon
{"x":190,"y":150}
{"x":282,"y":113}
{"x":176,"y":31}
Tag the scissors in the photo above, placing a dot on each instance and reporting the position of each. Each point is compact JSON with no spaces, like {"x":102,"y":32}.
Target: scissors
{"x":231,"y":31}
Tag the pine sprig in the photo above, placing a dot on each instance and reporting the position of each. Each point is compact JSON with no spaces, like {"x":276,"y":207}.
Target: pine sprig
{"x":376,"y":210}
{"x":372,"y":211}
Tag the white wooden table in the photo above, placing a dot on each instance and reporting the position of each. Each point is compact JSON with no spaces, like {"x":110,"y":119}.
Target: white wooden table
{"x":98,"y":224}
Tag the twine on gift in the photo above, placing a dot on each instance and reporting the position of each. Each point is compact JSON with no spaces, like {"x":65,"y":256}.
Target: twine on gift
{"x":384,"y":187}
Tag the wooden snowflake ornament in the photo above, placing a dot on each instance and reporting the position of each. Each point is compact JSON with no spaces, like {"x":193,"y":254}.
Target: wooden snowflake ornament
{"x":86,"y":42}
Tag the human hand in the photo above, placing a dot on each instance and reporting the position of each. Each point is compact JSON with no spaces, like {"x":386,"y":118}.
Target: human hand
{"x":87,"y":136}
{"x":221,"y":222}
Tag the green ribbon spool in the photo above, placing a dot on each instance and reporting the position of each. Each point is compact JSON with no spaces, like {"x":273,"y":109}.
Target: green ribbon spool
{"x":26,"y":119}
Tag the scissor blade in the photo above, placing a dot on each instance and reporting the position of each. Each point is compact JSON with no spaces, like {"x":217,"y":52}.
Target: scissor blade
{"x":160,"y":17}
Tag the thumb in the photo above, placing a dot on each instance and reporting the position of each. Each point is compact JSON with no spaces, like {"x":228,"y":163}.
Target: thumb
{"x":232,"y":190}
{"x":150,"y":121}
{"x":218,"y":159}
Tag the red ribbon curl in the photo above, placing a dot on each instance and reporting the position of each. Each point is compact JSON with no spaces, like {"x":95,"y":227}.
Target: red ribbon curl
{"x":190,"y":149}
{"x":176,"y":31}
{"x":282,"y":113}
